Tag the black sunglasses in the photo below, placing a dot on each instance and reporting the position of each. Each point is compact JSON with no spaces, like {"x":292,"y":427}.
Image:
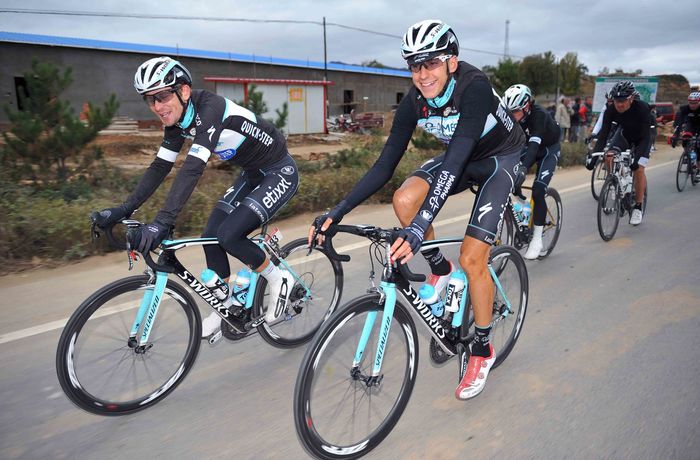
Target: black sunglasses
{"x":162,"y":96}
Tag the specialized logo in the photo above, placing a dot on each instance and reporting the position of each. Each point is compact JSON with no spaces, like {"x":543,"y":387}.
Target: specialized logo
{"x":193,"y":131}
{"x":197,"y":120}
{"x":427,"y":215}
{"x":425,"y":312}
{"x":211,"y":132}
{"x":288,"y":170}
{"x":382,"y":341}
{"x":274,"y":195}
{"x":485,"y":209}
{"x":544,"y":174}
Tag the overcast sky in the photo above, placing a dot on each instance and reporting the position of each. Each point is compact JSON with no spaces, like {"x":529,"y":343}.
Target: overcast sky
{"x":655,"y":36}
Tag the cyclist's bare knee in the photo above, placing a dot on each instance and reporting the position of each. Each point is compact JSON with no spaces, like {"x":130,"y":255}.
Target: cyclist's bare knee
{"x":408,"y":198}
{"x":474,"y":256}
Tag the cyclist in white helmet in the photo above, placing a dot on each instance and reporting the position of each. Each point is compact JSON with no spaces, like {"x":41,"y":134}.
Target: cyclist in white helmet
{"x":221,"y":127}
{"x":542,"y":147}
{"x":455,"y":102}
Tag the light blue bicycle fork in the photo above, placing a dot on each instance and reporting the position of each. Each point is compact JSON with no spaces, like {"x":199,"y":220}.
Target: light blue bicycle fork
{"x":149,"y":308}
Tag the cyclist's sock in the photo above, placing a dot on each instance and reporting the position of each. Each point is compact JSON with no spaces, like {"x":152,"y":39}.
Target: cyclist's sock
{"x":271,"y":273}
{"x":480,"y":346}
{"x":638,"y":206}
{"x":438,"y":264}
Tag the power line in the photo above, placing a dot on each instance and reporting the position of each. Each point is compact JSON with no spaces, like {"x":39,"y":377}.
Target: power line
{"x":213,"y":19}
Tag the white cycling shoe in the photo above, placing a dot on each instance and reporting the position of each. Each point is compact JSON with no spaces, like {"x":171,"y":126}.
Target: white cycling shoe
{"x":536,"y":244}
{"x":279,"y":295}
{"x":636,"y":217}
{"x":211,"y":324}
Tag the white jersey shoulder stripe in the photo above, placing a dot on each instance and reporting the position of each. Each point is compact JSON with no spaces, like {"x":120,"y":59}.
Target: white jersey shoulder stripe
{"x":233,"y":109}
{"x":167,"y":155}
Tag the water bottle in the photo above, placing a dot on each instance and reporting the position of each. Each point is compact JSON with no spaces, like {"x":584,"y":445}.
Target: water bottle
{"x":526,"y":211}
{"x":432,"y":299}
{"x":240,"y":286}
{"x":217,"y":286}
{"x":693,"y":155}
{"x":455,"y":288}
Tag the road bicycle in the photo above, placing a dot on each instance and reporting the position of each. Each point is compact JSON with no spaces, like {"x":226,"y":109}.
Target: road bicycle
{"x":133,"y":341}
{"x":617,"y":196}
{"x":358,"y":372}
{"x":516,"y":228}
{"x":687,"y":164}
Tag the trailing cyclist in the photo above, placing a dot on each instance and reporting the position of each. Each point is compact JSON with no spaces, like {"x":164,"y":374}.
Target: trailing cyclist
{"x":542,"y":147}
{"x":453,"y":101}
{"x":630,"y":117}
{"x":269,"y":176}
{"x":687,"y":123}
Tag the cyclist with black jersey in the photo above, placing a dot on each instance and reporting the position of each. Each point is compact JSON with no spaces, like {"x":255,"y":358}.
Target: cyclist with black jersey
{"x":687,"y":122}
{"x":542,"y":147}
{"x":630,"y":117}
{"x":269,"y":176}
{"x":453,"y":101}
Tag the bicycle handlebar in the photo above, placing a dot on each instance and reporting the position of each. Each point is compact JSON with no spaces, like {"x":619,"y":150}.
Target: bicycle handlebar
{"x":376,"y":234}
{"x":126,"y":246}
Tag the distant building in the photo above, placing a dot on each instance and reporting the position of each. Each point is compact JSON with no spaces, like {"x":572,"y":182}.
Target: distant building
{"x":101,"y":68}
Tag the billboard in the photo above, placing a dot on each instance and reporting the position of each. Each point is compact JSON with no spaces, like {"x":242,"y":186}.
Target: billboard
{"x":647,"y":87}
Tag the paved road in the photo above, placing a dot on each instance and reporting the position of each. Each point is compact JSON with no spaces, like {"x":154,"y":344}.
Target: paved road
{"x":607,"y":365}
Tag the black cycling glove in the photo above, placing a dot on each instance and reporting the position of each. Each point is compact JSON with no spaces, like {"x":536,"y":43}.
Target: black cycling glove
{"x":111,"y":216}
{"x":336,"y":215}
{"x":147,"y":237}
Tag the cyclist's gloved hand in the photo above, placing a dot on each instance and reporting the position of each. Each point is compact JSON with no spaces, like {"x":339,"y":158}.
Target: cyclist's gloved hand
{"x":335,"y":215}
{"x":590,"y":161}
{"x":634,"y":166}
{"x":673,"y":140}
{"x":110,"y":216}
{"x":147,"y":237}
{"x":412,"y":235}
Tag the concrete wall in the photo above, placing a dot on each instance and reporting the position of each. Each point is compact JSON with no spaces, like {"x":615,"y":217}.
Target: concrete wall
{"x":98,"y":73}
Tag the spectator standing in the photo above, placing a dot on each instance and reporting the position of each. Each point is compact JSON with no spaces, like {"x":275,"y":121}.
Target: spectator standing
{"x":575,"y":120}
{"x":563,"y":118}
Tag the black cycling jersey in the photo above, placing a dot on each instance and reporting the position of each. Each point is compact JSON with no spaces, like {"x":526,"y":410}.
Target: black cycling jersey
{"x":216,"y":125}
{"x":541,"y":131}
{"x":686,"y":119}
{"x":472,"y":122}
{"x":635,"y":125}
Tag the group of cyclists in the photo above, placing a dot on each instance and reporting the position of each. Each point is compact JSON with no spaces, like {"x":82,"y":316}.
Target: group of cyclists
{"x":489,"y":140}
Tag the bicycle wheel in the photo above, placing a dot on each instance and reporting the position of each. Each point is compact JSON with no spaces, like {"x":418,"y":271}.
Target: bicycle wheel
{"x":305,"y":312}
{"x":337,"y":414}
{"x":598,"y":176}
{"x":609,"y":208}
{"x":552,"y":223}
{"x":683,"y":172}
{"x":509,"y":303}
{"x":102,"y":373}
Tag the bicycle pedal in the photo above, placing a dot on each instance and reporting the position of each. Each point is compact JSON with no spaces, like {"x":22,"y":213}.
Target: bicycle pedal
{"x":255,"y":322}
{"x":215,"y":338}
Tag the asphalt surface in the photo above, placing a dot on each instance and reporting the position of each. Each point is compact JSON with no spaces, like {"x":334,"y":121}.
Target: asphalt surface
{"x":606,"y":367}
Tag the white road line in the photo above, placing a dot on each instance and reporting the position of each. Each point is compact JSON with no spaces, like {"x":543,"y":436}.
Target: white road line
{"x":53,"y":325}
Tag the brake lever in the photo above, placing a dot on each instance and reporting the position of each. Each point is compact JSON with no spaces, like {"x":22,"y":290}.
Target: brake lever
{"x":313,"y":240}
{"x":94,"y":233}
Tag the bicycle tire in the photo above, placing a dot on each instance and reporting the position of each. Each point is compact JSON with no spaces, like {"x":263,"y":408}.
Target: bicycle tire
{"x":598,"y":176}
{"x":340,"y":334}
{"x":553,"y":222}
{"x":609,"y":208}
{"x":682,"y":175}
{"x":304,"y":315}
{"x":111,"y":310}
{"x":506,"y":232}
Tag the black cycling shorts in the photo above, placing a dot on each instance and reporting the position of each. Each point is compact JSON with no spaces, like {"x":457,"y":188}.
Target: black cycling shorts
{"x":619,"y":141}
{"x":264,"y":191}
{"x":494,"y":178}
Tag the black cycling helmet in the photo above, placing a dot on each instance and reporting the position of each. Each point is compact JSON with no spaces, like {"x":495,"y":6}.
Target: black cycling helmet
{"x":622,"y":90}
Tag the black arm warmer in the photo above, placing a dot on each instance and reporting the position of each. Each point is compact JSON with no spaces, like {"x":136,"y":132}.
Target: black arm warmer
{"x":151,"y":179}
{"x":182,"y":188}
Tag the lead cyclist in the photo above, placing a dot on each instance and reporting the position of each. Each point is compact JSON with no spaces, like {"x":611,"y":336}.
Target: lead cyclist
{"x":455,"y":102}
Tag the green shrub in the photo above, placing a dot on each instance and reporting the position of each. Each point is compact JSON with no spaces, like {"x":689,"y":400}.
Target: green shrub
{"x":572,"y":154}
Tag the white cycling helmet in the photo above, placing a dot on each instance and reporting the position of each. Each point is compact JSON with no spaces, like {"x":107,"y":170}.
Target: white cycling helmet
{"x":426,"y":39}
{"x":160,"y":72}
{"x":517,"y":97}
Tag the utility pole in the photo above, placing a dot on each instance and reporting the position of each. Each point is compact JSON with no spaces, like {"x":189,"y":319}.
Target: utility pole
{"x":325,"y":52}
{"x":505,"y":48}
